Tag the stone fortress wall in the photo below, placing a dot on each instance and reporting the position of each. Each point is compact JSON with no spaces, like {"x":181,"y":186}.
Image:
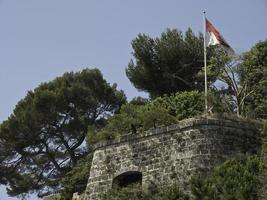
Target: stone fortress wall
{"x":169,"y":154}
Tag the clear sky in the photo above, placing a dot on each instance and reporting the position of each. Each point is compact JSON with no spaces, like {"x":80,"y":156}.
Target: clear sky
{"x":42,"y":39}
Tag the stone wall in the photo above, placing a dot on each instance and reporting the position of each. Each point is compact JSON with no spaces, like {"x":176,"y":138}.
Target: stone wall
{"x":170,"y":154}
{"x":55,"y":196}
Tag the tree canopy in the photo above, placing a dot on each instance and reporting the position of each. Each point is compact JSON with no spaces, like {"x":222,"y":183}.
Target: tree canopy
{"x":168,"y":64}
{"x":44,"y":137}
{"x":253,"y":76}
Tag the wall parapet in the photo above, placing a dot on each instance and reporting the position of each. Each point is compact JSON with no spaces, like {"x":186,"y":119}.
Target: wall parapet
{"x":181,"y":125}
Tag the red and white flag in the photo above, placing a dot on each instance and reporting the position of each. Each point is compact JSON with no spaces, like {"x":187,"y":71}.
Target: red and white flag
{"x":213,"y":37}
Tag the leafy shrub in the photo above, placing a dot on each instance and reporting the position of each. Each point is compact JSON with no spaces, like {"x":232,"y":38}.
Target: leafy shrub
{"x":235,"y":179}
{"x":76,"y":179}
{"x":139,"y":115}
{"x":182,"y":105}
{"x":132,"y":118}
{"x":135,"y":192}
{"x":172,"y":193}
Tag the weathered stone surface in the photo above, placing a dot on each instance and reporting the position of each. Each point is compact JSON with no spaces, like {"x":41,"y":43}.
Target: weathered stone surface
{"x":171,"y":154}
{"x":52,"y":197}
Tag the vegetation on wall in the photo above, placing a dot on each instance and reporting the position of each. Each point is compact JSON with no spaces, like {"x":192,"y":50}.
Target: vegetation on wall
{"x":182,"y":105}
{"x":136,"y":117}
{"x":132,"y":119}
{"x":135,"y":192}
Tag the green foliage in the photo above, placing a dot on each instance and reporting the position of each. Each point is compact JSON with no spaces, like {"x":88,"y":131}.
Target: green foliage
{"x":200,"y":188}
{"x":182,"y":105}
{"x":225,"y":69}
{"x":244,"y":79}
{"x":135,"y":192}
{"x":215,"y":64}
{"x":253,"y":74}
{"x":172,"y":193}
{"x":139,"y":116}
{"x":76,"y":179}
{"x":139,"y":101}
{"x":236,"y":179}
{"x":132,"y":192}
{"x":264,"y":138}
{"x":132,"y":118}
{"x":43,"y":139}
{"x":168,"y":64}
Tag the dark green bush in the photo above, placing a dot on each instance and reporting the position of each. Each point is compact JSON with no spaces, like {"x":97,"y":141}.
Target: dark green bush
{"x":76,"y":180}
{"x":137,"y":117}
{"x":131,"y":192}
{"x":135,"y":192}
{"x":235,"y":179}
{"x":132,"y":119}
{"x":182,"y":105}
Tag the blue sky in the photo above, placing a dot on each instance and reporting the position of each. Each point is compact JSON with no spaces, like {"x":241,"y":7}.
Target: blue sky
{"x":40,"y":40}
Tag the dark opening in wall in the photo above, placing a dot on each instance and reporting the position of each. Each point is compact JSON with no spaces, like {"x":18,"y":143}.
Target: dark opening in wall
{"x":127,"y":178}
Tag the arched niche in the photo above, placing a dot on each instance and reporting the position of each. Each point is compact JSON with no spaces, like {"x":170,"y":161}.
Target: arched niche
{"x":127,"y":178}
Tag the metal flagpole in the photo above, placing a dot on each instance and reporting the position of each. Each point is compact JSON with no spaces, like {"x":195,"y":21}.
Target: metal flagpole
{"x":205,"y":62}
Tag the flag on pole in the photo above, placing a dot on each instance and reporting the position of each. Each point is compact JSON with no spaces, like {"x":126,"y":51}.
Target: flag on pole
{"x":213,"y":37}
